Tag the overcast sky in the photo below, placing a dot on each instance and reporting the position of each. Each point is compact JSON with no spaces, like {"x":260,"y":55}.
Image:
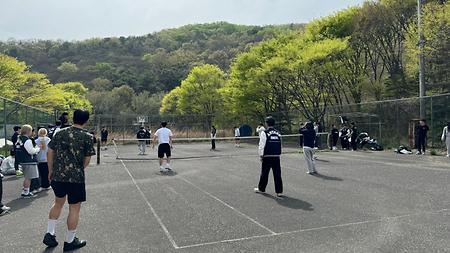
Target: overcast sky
{"x":81,"y":19}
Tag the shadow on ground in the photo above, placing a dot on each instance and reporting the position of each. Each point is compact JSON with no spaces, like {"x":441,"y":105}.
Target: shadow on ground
{"x":290,"y":202}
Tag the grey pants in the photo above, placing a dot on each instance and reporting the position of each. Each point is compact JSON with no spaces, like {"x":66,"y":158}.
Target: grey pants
{"x":142,"y":147}
{"x":447,"y":142}
{"x":309,"y":157}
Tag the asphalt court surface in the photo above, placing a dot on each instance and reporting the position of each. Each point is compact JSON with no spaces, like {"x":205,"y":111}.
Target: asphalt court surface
{"x":360,"y":202}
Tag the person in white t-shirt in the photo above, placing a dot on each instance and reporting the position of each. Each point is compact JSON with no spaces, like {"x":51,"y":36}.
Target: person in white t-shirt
{"x":164,"y":136}
{"x":237,"y":134}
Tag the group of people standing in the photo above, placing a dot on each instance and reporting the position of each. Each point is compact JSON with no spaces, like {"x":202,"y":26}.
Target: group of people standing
{"x":55,"y":158}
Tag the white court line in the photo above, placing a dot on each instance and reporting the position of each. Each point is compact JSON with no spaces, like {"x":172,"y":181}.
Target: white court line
{"x":314,"y":229}
{"x":164,"y":228}
{"x":227,"y":205}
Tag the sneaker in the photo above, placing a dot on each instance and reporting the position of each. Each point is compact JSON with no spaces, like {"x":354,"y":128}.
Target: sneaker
{"x":2,"y":212}
{"x":447,"y":156}
{"x":27,"y":196}
{"x":46,"y":189}
{"x":418,"y":153}
{"x":50,"y":240}
{"x":162,"y":169}
{"x":5,"y":208}
{"x":36,"y":191}
{"x":256,"y":190}
{"x":19,"y":173}
{"x":75,"y":244}
{"x":280,"y":195}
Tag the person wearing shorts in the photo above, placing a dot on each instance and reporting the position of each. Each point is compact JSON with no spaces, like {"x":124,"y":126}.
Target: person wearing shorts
{"x":26,"y":152}
{"x":69,"y":153}
{"x":164,"y":136}
{"x":237,"y":135}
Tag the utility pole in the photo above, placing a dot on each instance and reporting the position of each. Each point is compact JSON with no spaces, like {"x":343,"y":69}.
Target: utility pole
{"x":421,"y":61}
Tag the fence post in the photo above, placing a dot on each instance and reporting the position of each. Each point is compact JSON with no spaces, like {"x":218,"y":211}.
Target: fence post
{"x":5,"y":115}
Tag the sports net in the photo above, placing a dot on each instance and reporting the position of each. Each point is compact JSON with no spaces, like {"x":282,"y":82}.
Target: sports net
{"x":198,"y":148}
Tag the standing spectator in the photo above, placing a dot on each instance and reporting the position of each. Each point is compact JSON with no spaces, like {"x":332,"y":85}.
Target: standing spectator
{"x":3,"y":209}
{"x":446,"y":137}
{"x":309,"y":136}
{"x":52,"y":131}
{"x":69,"y":153}
{"x":334,"y":135}
{"x":213,"y":138}
{"x":344,"y":136}
{"x":104,"y":137}
{"x":260,"y":129}
{"x":7,"y":167}
{"x":270,"y":152}
{"x":43,"y":141}
{"x":35,"y":186}
{"x":300,"y":139}
{"x":141,"y":136}
{"x":354,"y":136}
{"x":26,"y":155}
{"x":14,"y":138}
{"x":237,"y":134}
{"x":148,"y":136}
{"x":318,"y":129}
{"x":422,"y":136}
{"x":64,"y":118}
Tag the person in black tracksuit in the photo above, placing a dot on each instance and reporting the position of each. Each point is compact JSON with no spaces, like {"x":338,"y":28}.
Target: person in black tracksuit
{"x":14,"y":139}
{"x":334,"y":135}
{"x":270,"y":152}
{"x":422,"y":137}
{"x":354,"y":136}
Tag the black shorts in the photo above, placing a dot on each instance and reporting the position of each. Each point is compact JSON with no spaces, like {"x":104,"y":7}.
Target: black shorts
{"x":75,"y":193}
{"x":164,"y":148}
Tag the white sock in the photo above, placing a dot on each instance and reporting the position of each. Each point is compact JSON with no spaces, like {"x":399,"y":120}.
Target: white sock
{"x":51,"y":226}
{"x":70,"y":235}
{"x":167,"y":165}
{"x":26,"y":190}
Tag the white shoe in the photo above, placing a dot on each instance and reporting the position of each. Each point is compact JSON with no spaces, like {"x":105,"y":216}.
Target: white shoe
{"x":162,"y":169}
{"x":5,"y":208}
{"x":447,"y":155}
{"x":256,"y":190}
{"x":418,"y":153}
{"x":279,"y":195}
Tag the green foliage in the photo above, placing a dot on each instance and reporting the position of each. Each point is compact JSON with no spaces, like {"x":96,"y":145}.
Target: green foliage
{"x":198,"y":93}
{"x":154,"y":62}
{"x":17,"y":82}
{"x":436,"y":31}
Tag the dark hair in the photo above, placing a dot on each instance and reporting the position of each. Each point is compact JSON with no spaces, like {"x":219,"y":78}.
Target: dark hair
{"x":353,"y":123}
{"x":164,"y":124}
{"x":16,"y":128}
{"x":424,"y":120}
{"x":80,"y":117}
{"x":213,"y":127}
{"x":142,"y":127}
{"x":12,"y":152}
{"x":270,"y":121}
{"x":58,"y":123}
{"x":448,"y":125}
{"x":309,"y":125}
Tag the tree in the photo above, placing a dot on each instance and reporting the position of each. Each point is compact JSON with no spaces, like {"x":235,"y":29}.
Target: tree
{"x":147,"y":104}
{"x":199,"y":92}
{"x":68,"y":68}
{"x":436,"y":31}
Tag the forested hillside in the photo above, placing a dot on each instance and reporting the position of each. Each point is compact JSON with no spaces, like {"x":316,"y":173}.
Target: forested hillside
{"x":155,"y":62}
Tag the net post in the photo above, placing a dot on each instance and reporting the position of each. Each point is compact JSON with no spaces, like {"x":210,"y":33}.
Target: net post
{"x":98,"y":151}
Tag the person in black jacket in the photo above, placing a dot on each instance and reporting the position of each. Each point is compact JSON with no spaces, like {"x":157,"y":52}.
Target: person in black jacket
{"x":309,"y":137}
{"x":141,"y":135}
{"x":334,"y":135}
{"x":422,"y":136}
{"x":270,"y":152}
{"x":354,"y":136}
{"x":14,"y":139}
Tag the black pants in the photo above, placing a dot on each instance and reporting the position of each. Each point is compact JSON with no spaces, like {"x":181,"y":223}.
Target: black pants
{"x":43,"y":174}
{"x":1,"y":191}
{"x":213,"y":144}
{"x":274,"y":164}
{"x":422,"y":144}
{"x":334,"y":140}
{"x":354,"y":145}
{"x":16,"y":164}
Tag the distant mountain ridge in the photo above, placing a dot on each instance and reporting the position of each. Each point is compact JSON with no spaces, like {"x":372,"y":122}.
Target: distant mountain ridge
{"x":154,"y":62}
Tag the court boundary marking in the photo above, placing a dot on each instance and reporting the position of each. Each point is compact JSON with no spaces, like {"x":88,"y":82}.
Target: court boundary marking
{"x":272,"y":233}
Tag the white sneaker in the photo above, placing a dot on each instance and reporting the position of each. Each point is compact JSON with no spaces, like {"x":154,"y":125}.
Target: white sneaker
{"x":256,"y":190}
{"x":5,"y":208}
{"x":447,"y":155}
{"x":418,"y":153}
{"x":162,"y":169}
